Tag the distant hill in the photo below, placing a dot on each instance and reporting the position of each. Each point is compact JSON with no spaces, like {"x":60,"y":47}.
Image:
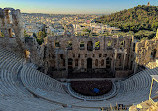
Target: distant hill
{"x":134,"y":19}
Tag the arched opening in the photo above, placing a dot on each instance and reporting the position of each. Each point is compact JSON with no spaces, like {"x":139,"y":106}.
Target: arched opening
{"x":89,"y":63}
{"x":96,"y":62}
{"x":70,"y":65}
{"x":63,"y":60}
{"x":102,"y":62}
{"x":153,"y":54}
{"x":76,"y":62}
{"x":57,"y":44}
{"x":108,"y":63}
{"x":90,"y":46}
{"x":122,"y":44}
{"x":82,"y":45}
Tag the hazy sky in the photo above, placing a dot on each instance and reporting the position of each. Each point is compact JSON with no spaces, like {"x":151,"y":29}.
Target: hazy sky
{"x":73,"y":6}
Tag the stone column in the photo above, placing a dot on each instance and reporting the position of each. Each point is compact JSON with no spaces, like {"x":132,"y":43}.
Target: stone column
{"x":135,"y":63}
{"x":79,"y":63}
{"x":115,"y":57}
{"x":124,"y":58}
{"x":114,"y":62}
{"x":86,"y":43}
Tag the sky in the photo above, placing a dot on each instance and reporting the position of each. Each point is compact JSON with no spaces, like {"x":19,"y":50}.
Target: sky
{"x":73,"y":6}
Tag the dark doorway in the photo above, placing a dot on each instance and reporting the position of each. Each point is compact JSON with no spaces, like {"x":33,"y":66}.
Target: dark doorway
{"x":108,"y":63}
{"x":70,"y":65}
{"x":153,"y":54}
{"x":89,"y":63}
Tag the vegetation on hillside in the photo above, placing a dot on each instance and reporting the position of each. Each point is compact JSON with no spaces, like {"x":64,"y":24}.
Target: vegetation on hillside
{"x":142,"y":20}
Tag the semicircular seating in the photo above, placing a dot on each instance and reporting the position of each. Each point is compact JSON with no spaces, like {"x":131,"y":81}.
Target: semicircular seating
{"x":21,"y":85}
{"x":132,"y":90}
{"x":13,"y":95}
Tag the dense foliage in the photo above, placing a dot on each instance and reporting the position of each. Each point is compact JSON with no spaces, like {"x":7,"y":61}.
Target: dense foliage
{"x":134,"y":19}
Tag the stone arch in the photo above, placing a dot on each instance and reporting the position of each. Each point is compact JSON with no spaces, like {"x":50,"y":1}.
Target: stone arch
{"x":153,"y":53}
{"x":122,"y":44}
{"x":63,"y":62}
{"x":89,"y":63}
{"x":56,"y":44}
{"x":76,"y":62}
{"x":96,"y":62}
{"x":82,"y":45}
{"x":70,"y":65}
{"x":108,"y":62}
{"x":102,"y":62}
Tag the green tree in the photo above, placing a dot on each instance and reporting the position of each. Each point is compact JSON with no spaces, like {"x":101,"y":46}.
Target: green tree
{"x":134,"y":19}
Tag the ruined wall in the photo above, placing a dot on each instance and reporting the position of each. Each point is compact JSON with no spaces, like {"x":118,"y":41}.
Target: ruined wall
{"x":120,"y":52}
{"x":12,"y":36}
{"x":58,"y":55}
{"x":36,"y":51}
{"x":11,"y":28}
{"x":147,"y":51}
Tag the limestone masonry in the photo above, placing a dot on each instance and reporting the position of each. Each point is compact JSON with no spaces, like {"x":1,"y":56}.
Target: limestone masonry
{"x":59,"y":56}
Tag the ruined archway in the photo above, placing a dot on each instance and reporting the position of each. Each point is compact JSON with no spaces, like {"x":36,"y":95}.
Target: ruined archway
{"x":153,"y":54}
{"x":89,"y":63}
{"x":70,"y":65}
{"x":108,"y":63}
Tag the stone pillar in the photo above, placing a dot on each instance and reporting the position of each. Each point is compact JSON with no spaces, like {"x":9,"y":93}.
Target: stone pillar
{"x":135,"y":64}
{"x":79,"y":63}
{"x":115,"y":57}
{"x":114,"y":63}
{"x":124,"y":58}
{"x":86,"y":43}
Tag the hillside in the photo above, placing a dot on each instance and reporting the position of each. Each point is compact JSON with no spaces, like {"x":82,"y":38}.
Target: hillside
{"x":134,"y":19}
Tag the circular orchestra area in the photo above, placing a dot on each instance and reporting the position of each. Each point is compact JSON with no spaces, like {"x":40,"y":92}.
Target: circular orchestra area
{"x":91,"y":88}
